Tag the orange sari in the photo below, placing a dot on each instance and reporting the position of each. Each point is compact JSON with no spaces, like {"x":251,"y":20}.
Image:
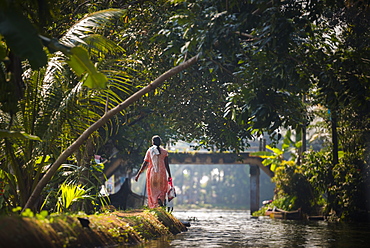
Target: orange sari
{"x":156,"y":177}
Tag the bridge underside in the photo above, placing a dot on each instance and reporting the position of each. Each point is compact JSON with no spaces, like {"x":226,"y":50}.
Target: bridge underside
{"x":218,"y":158}
{"x":255,"y":164}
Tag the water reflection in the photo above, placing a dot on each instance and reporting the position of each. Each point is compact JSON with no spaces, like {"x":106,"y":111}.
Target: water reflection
{"x":219,"y":228}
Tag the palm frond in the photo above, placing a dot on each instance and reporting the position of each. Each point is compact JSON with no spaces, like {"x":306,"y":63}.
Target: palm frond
{"x":100,"y":46}
{"x":55,"y":70}
{"x":57,"y":81}
{"x":17,"y":135}
{"x":89,"y":25}
{"x":60,"y":104}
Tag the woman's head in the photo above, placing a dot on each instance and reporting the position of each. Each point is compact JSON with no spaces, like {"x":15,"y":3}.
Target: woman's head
{"x":156,"y":140}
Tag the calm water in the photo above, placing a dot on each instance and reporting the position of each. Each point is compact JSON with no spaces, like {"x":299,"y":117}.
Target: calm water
{"x":220,"y":228}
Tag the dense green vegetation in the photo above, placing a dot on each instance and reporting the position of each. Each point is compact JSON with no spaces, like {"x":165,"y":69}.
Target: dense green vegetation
{"x":264,"y":67}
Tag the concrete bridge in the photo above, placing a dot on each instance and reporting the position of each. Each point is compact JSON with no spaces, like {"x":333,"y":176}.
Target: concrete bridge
{"x":255,"y":164}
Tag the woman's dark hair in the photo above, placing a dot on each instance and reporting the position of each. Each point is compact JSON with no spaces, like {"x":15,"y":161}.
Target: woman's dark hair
{"x":156,"y":140}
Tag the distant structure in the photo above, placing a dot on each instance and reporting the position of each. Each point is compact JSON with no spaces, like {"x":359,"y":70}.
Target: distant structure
{"x":118,"y":185}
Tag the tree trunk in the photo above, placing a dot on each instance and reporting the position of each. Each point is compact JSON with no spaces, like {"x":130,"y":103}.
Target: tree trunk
{"x":69,"y":151}
{"x":334,"y":136}
{"x":334,"y":133}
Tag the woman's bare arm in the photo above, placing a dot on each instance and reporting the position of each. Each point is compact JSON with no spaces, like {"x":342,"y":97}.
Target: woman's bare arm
{"x":142,"y":168}
{"x":167,"y":167}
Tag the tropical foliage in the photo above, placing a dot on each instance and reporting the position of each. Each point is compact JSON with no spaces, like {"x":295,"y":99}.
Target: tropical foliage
{"x":284,"y":59}
{"x":68,"y":195}
{"x":264,"y":67}
{"x":59,"y":102}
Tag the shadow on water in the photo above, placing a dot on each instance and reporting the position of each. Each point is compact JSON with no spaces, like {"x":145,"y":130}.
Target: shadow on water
{"x":230,"y":228}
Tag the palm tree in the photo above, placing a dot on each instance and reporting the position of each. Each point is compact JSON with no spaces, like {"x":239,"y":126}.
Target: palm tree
{"x":57,"y":106}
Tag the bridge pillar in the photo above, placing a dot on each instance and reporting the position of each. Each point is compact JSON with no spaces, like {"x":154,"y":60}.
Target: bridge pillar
{"x":254,"y":173}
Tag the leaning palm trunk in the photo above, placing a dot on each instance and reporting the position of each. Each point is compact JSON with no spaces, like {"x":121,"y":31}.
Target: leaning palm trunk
{"x":52,"y":94}
{"x":104,"y":119}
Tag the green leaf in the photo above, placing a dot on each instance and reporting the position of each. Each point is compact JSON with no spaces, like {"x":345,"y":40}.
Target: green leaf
{"x":16,"y":209}
{"x":262,"y":154}
{"x":28,"y":213}
{"x":102,"y":46}
{"x":18,"y":135}
{"x":2,"y":50}
{"x":21,"y":37}
{"x":267,"y":162}
{"x":277,"y":151}
{"x":81,"y":64}
{"x":284,"y":146}
{"x":340,"y":154}
{"x":69,"y":193}
{"x":42,"y":215}
{"x":42,"y":159}
{"x":298,"y":144}
{"x":96,"y":81}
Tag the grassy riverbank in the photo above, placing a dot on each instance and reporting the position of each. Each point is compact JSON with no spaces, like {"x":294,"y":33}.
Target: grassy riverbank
{"x":108,"y":229}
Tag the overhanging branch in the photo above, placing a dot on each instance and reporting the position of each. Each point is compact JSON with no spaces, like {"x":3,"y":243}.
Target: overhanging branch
{"x":79,"y":141}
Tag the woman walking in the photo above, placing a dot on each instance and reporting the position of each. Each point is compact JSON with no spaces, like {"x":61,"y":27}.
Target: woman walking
{"x":156,"y":163}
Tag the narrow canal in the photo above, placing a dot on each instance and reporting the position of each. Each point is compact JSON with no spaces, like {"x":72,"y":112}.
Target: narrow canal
{"x":236,"y":228}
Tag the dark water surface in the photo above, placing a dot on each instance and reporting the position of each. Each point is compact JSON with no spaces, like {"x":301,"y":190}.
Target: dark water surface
{"x":230,"y":228}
